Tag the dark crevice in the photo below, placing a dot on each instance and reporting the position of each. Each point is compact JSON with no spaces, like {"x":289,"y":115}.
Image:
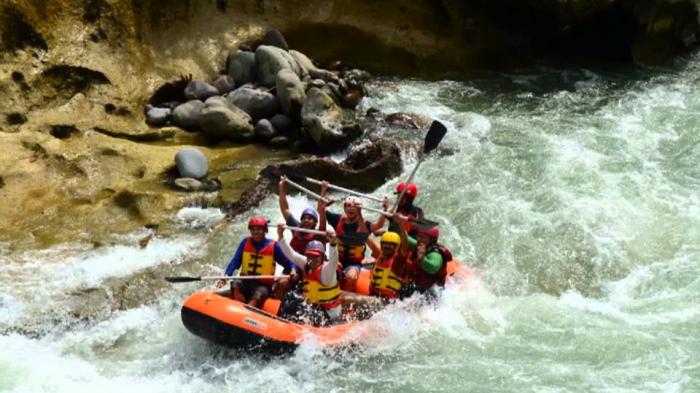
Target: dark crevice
{"x":171,"y":91}
{"x":155,"y":136}
{"x":16,"y":118}
{"x":62,"y":131}
{"x":93,"y":10}
{"x":17,"y":33}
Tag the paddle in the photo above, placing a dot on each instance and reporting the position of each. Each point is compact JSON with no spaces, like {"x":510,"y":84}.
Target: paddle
{"x":212,"y":278}
{"x":274,"y":173}
{"x":297,"y":175}
{"x":349,"y":238}
{"x":432,"y":139}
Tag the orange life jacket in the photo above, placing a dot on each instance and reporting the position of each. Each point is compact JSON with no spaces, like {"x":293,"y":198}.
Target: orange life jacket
{"x":258,"y":263}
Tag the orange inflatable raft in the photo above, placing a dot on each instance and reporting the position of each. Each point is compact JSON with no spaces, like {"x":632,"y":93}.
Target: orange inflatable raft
{"x":216,"y":317}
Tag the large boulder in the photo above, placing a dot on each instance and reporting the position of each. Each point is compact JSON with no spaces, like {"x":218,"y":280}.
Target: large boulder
{"x":290,"y":92}
{"x":241,"y":67}
{"x":257,"y":103}
{"x":224,"y":84}
{"x":224,"y":121}
{"x":198,"y":90}
{"x":276,"y":39}
{"x":326,"y":123}
{"x":186,"y":116}
{"x":304,"y":62}
{"x":365,"y":169}
{"x":191,"y":163}
{"x":270,"y":60}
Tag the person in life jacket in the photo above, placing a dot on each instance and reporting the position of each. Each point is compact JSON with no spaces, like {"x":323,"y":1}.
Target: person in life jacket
{"x":407,"y":209}
{"x":320,"y":287}
{"x":256,"y":255}
{"x":308,"y":220}
{"x":351,"y":256}
{"x":389,"y":270}
{"x":427,"y":267}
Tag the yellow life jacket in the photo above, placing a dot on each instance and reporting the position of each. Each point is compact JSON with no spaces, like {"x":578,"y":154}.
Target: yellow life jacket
{"x":258,"y":263}
{"x":384,"y":281}
{"x":316,"y":293}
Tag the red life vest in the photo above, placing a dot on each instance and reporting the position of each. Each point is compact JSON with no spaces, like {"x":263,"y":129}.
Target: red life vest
{"x":424,"y":279}
{"x":258,"y":263}
{"x":348,"y":255}
{"x":315,"y":292}
{"x":300,"y":240}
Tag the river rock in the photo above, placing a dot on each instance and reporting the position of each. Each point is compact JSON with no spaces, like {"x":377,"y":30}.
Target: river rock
{"x":407,"y":120}
{"x":258,"y":104}
{"x":198,"y":90}
{"x":222,"y":122}
{"x":218,"y":101}
{"x":270,"y":60}
{"x":324,"y":75}
{"x":326,"y":123}
{"x":157,"y":117}
{"x":290,"y":92}
{"x":275,"y":38}
{"x":241,"y":67}
{"x":186,"y":116}
{"x":303,"y":61}
{"x":191,"y":163}
{"x":281,"y":122}
{"x":264,"y":131}
{"x":279,"y":141}
{"x":224,"y":83}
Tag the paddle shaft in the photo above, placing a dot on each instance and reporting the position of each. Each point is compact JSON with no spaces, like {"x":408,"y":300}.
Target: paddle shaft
{"x":306,"y":190}
{"x":345,"y":190}
{"x":317,"y":196}
{"x":210,"y":278}
{"x":406,"y":183}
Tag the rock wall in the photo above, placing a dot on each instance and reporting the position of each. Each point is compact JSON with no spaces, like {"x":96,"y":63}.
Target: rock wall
{"x":76,"y":74}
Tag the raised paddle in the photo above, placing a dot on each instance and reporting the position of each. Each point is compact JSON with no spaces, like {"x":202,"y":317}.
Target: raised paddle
{"x":274,"y":173}
{"x":432,"y":139}
{"x":349,"y":238}
{"x":213,"y":278}
{"x":295,"y":174}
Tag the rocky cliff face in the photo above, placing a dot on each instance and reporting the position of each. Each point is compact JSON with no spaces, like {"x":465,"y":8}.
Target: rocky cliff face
{"x":75,"y":74}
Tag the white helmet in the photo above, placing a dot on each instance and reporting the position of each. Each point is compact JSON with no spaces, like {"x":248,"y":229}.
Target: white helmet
{"x":354,"y":201}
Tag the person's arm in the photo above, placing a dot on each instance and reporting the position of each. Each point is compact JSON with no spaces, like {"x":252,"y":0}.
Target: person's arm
{"x":281,"y":258}
{"x":321,"y":207}
{"x":432,"y":262}
{"x":374,"y":248}
{"x":284,"y":247}
{"x":329,"y":270}
{"x":377,"y":226}
{"x":405,"y":247}
{"x":235,"y":262}
{"x":284,"y":205}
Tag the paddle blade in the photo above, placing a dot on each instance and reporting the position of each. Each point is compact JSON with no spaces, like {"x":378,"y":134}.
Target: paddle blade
{"x":271,"y":172}
{"x":354,"y":238}
{"x":293,"y":174}
{"x":182,"y":279}
{"x":435,"y":134}
{"x":424,"y":224}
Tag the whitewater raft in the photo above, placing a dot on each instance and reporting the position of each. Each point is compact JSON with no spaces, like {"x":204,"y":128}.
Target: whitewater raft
{"x":216,"y":317}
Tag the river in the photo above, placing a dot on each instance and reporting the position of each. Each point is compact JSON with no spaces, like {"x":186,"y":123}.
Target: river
{"x":575,"y":191}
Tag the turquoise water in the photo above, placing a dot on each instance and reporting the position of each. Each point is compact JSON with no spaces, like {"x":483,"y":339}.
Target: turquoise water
{"x":574,"y":191}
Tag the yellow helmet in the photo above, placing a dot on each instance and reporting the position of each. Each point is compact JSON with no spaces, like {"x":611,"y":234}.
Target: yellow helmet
{"x":390,"y":237}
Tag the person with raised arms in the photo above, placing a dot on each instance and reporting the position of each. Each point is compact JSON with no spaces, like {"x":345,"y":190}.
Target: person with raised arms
{"x":351,"y":256}
{"x":256,"y":255}
{"x":407,"y":209}
{"x":321,"y":292}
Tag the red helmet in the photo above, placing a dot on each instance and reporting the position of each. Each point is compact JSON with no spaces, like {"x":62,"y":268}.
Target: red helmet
{"x":433,"y":232}
{"x":257,"y":221}
{"x":315,"y":247}
{"x":411,"y":191}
